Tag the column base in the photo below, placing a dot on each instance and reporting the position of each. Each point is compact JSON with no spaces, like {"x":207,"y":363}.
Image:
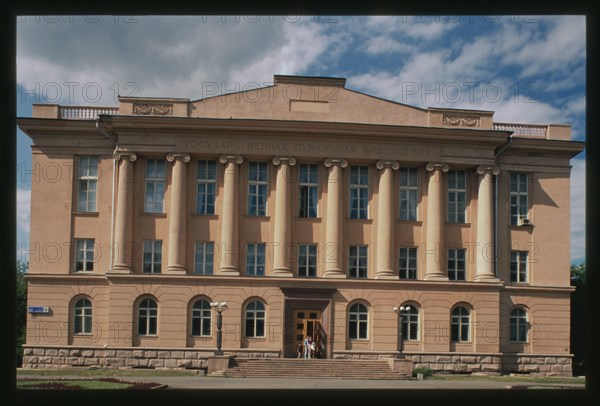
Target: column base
{"x":486,"y":278}
{"x":334,"y":274}
{"x":228,"y":272}
{"x":120,"y":268}
{"x":176,"y":269}
{"x":386,"y":274}
{"x":282,"y":272}
{"x":436,"y":277}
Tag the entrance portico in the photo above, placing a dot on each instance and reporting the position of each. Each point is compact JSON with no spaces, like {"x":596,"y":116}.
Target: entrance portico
{"x":308,"y":311}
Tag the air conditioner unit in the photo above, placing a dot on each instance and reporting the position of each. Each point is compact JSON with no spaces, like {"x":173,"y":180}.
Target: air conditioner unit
{"x":523,"y":221}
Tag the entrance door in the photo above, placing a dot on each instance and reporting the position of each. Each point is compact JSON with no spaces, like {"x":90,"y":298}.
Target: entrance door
{"x":307,"y":322}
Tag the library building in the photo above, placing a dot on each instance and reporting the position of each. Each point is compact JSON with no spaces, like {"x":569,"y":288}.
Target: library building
{"x":231,"y":231}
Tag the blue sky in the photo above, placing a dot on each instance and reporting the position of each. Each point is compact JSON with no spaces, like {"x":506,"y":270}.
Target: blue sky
{"x":527,"y":69}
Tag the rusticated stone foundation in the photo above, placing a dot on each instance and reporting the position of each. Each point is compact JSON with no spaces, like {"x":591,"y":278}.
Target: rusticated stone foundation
{"x":48,"y":357}
{"x":126,"y":357}
{"x":481,"y":363}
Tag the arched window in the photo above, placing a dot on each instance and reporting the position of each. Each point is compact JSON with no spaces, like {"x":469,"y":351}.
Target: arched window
{"x":147,"y":317}
{"x":410,"y":323}
{"x":518,"y":325}
{"x":82,"y":317}
{"x":358,"y":321}
{"x":460,"y":324}
{"x":201,"y":318}
{"x":255,"y":319}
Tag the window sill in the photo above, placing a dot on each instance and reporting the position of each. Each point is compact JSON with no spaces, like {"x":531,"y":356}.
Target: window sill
{"x":156,"y":215}
{"x":205,"y":216}
{"x":309,"y":219}
{"x":523,"y":227}
{"x":248,"y":216}
{"x":366,"y":221}
{"x":412,"y":222}
{"x":82,"y":272}
{"x":359,"y":340}
{"x":83,"y":334}
{"x":86,"y":213}
{"x":462,"y":225}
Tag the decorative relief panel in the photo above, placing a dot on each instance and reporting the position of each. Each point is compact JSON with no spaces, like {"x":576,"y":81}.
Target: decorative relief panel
{"x":452,"y":120}
{"x":151,"y":109}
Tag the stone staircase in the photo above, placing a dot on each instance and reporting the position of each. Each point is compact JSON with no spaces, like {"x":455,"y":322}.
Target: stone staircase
{"x":310,"y":368}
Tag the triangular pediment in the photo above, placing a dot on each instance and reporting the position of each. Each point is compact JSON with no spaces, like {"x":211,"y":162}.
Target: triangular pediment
{"x":308,"y":99}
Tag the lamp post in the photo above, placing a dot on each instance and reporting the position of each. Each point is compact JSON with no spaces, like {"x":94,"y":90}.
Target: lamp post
{"x":219,"y":307}
{"x":400,"y":311}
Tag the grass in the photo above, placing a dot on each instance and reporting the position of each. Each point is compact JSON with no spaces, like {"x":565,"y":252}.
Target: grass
{"x":509,"y":379}
{"x":62,"y":384}
{"x":102,"y":372}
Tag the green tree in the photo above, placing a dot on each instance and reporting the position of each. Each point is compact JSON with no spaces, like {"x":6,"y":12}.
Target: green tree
{"x":578,"y":318}
{"x":578,"y":275}
{"x":21,"y":308}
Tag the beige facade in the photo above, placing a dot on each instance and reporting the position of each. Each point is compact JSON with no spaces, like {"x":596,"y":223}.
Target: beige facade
{"x":361,"y":151}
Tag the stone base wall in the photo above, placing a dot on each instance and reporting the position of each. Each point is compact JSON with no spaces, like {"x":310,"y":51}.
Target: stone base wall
{"x":37,"y":357}
{"x":461,"y":364}
{"x":546,"y":365}
{"x":488,"y":364}
{"x":165,"y":358}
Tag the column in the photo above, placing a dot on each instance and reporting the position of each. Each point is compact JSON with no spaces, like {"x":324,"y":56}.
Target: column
{"x":177,"y":214}
{"x":333,"y":226}
{"x":229,"y":216}
{"x":281,"y":240}
{"x":386,"y":221}
{"x":485,"y":224}
{"x":434,"y":264}
{"x":122,"y":241}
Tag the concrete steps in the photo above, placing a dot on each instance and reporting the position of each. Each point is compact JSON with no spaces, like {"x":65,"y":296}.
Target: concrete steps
{"x":311,"y":368}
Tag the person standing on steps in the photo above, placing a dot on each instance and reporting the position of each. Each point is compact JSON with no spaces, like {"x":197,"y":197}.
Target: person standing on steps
{"x":307,"y":341}
{"x":299,"y":349}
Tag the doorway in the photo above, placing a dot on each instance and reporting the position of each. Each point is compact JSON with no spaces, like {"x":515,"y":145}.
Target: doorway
{"x":307,"y":322}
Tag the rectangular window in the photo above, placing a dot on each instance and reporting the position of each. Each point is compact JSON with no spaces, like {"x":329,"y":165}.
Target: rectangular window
{"x":84,"y":259}
{"x":409,"y":193}
{"x":518,"y":197}
{"x":358,"y":261}
{"x":456,"y":264}
{"x":408,"y":263}
{"x":518,"y":266}
{"x":307,"y":260}
{"x":87,"y":180}
{"x":308,"y":183}
{"x":359,"y":191}
{"x":203,"y":261}
{"x":155,"y":185}
{"x":152,"y":256}
{"x":255,"y":259}
{"x":257,"y":188}
{"x":457,"y":196}
{"x":206,"y":182}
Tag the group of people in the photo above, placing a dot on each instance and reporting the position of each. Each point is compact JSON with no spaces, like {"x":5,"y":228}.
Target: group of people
{"x":307,"y":348}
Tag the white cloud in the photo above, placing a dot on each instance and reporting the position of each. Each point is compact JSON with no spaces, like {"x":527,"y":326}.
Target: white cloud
{"x":382,"y":44}
{"x":578,"y":211}
{"x":23,"y":209}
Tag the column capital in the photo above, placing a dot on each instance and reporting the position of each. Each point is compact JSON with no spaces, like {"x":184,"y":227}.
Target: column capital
{"x":231,"y":158}
{"x":290,"y":160}
{"x":172,"y":156}
{"x":433,"y":166}
{"x":485,"y":169}
{"x":132,"y":156}
{"x":386,"y":162}
{"x":336,"y":161}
